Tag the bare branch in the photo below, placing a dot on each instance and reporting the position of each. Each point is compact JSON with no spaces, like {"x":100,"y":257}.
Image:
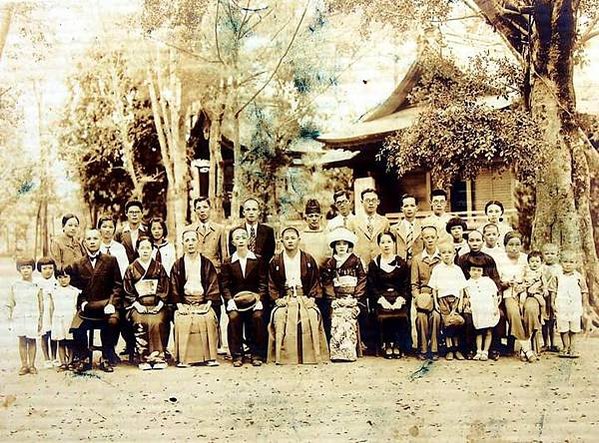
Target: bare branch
{"x":297,"y":28}
{"x":186,"y":51}
{"x":220,"y":58}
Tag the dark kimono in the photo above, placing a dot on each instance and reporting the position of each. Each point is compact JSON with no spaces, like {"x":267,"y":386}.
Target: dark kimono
{"x":394,"y":324}
{"x":296,"y":333}
{"x":150,"y":328}
{"x":345,"y":289}
{"x":196,"y":326}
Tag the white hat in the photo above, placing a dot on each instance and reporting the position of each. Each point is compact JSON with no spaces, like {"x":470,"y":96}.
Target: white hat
{"x":342,"y":233}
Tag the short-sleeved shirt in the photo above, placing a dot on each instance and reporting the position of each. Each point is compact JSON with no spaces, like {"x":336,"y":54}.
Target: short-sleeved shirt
{"x":447,"y":280}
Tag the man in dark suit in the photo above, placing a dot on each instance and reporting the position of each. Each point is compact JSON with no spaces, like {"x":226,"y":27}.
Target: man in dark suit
{"x":261,"y":238}
{"x":98,"y":277}
{"x":245,"y":271}
{"x":132,"y":228}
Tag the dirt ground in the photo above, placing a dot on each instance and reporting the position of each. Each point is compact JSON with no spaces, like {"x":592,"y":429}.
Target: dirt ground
{"x":369,"y":400}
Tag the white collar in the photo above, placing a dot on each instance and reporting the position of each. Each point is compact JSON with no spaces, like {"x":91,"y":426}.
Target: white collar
{"x":436,"y":254}
{"x":236,"y":257}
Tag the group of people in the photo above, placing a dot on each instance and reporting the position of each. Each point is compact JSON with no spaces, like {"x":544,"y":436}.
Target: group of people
{"x":334,"y":291}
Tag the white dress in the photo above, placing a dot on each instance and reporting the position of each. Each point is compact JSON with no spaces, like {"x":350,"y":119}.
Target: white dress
{"x":48,"y":286}
{"x":65,"y":308}
{"x":568,"y":299}
{"x":483,"y":301}
{"x":23,"y":299}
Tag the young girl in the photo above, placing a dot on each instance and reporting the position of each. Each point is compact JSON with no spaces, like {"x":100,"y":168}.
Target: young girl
{"x":64,"y":308}
{"x":567,"y":292}
{"x":551,"y":269}
{"x":46,"y":266}
{"x":482,"y":296}
{"x":25,"y":310}
{"x":344,"y":283}
{"x":456,"y":227}
{"x":448,"y":283}
{"x":163,"y":251}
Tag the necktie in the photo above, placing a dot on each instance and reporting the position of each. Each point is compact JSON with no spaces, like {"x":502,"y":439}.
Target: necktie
{"x":252,"y":244}
{"x":370,"y":227}
{"x":409,"y":240}
{"x":158,"y":255}
{"x":108,"y":250}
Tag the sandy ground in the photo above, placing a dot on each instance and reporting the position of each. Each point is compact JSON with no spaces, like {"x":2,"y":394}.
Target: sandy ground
{"x":369,"y":400}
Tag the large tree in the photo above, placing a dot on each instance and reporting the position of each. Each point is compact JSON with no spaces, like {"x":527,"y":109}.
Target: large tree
{"x":543,"y":36}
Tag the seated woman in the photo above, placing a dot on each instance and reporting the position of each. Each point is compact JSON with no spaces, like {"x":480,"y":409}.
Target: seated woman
{"x":296,"y":333}
{"x":512,"y":266}
{"x":194,"y":287}
{"x":146,"y":289}
{"x":389,"y":291}
{"x":344,"y":285}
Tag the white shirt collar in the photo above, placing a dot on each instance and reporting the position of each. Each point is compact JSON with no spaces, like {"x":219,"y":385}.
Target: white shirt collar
{"x":436,"y":254}
{"x":236,"y":257}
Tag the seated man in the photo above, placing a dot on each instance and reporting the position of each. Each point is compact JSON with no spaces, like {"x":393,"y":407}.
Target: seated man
{"x":296,"y":332}
{"x":194,"y":287}
{"x":243,"y":280}
{"x":98,"y":277}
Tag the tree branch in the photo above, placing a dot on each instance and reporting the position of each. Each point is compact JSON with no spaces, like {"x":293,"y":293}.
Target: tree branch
{"x":216,"y":33}
{"x":297,"y":28}
{"x":589,"y":33}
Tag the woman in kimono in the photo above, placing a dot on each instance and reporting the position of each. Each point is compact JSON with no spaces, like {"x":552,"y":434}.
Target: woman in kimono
{"x":146,"y":288}
{"x":296,"y":333}
{"x":389,"y":288}
{"x":344,"y":285}
{"x":194,"y":287}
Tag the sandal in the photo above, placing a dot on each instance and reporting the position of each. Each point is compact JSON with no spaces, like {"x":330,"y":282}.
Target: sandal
{"x":530,"y":355}
{"x":24,"y":370}
{"x":388,"y":351}
{"x":396,"y":352}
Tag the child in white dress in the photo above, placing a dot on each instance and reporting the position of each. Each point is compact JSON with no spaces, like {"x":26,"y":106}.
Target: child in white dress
{"x":46,"y":266}
{"x":483,"y":298}
{"x":567,"y":292}
{"x":25,"y":310}
{"x":64,"y":308}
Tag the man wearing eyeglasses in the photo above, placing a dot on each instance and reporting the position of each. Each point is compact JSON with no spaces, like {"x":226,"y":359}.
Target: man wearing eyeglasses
{"x":368,"y":226}
{"x":131,"y":229}
{"x":344,"y":208}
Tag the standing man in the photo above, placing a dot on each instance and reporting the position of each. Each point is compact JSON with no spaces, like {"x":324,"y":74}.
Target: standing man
{"x":439,"y":217}
{"x":368,"y":226}
{"x":213,"y":239}
{"x":428,"y":320}
{"x":261,"y":238}
{"x":109,"y":245}
{"x":314,"y":238}
{"x":98,"y":278}
{"x":343,"y":206}
{"x":131,"y":229}
{"x":244,"y":286}
{"x":407,"y":230}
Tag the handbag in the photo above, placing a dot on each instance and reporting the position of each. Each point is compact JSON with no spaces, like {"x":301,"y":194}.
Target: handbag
{"x":424,"y":300}
{"x":453,"y":319}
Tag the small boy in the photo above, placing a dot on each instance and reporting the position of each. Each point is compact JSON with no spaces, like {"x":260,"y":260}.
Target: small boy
{"x":567,"y":293}
{"x":551,"y":269}
{"x":448,"y":283}
{"x":534,"y":282}
{"x":491,"y":237}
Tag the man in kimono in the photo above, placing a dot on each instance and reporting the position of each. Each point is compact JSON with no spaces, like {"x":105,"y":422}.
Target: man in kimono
{"x":261,"y":238}
{"x":244,"y":288}
{"x":314,"y":237}
{"x":98,"y":278}
{"x":368,"y":226}
{"x":193,"y":290}
{"x":296,"y":332}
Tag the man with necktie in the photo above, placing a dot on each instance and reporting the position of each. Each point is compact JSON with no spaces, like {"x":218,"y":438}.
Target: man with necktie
{"x":212,"y":236}
{"x":261,"y":238}
{"x":407,"y":230}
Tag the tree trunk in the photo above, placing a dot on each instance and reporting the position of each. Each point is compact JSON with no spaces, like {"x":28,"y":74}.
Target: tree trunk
{"x":562,"y":213}
{"x":6,"y":12}
{"x":236,"y":197}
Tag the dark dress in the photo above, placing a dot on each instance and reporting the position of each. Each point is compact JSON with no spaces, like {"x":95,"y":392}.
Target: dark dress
{"x":391,"y":285}
{"x":150,"y":329}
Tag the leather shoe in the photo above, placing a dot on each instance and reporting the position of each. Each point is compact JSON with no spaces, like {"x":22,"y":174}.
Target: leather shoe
{"x":82,"y":367}
{"x":106,"y":366}
{"x":256,"y":362}
{"x":237,"y":363}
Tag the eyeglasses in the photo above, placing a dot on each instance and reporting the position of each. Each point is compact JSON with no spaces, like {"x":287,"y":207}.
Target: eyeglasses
{"x":370,"y":200}
{"x":134,"y":212}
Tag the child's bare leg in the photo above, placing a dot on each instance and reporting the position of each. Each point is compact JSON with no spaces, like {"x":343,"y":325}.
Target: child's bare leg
{"x":572,"y":343}
{"x":566,"y":341}
{"x":31,"y":351}
{"x":45,"y":349}
{"x":551,"y":328}
{"x":62,"y":352}
{"x":479,"y":342}
{"x":23,"y":351}
{"x":488,"y":339}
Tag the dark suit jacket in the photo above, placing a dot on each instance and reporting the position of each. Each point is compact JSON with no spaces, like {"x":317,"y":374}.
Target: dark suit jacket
{"x":232,"y":280}
{"x":124,"y":237}
{"x":265,"y":241}
{"x":209,"y":282}
{"x":309,"y":275}
{"x":101,"y":283}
